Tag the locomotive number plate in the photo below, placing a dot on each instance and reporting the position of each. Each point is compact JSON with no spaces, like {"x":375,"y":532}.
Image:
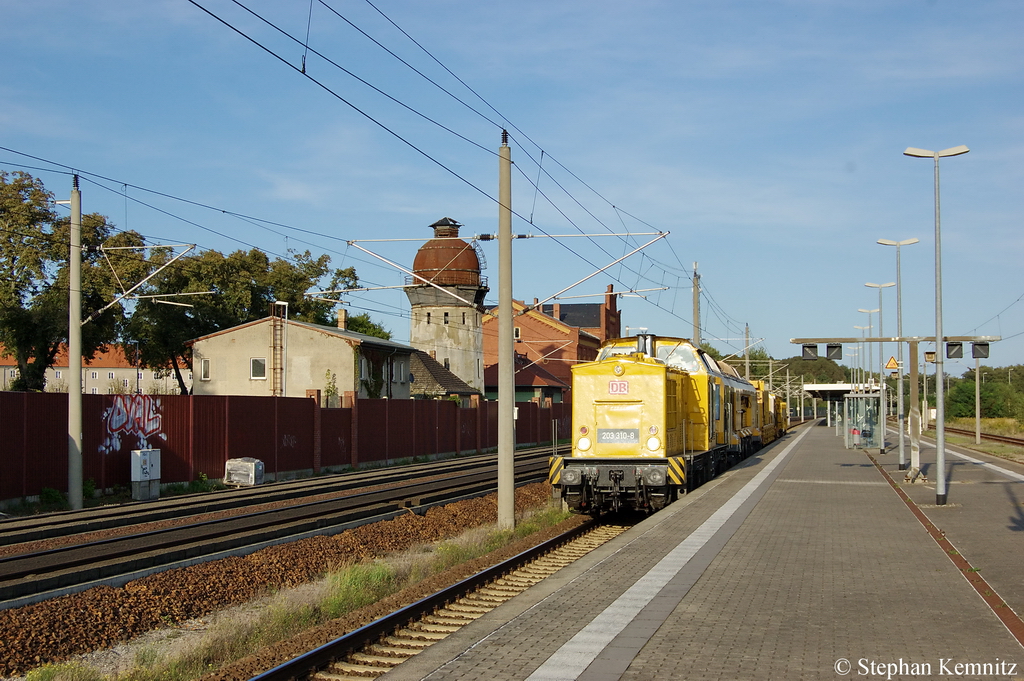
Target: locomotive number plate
{"x":618,"y":435}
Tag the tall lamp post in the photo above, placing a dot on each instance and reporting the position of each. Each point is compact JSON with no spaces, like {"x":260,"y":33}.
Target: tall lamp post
{"x":881,"y":354}
{"x":869,"y":327}
{"x":860,"y":355}
{"x":940,"y":409}
{"x":899,"y":350}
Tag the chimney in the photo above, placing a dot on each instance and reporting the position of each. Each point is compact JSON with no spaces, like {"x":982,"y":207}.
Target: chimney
{"x":342,"y":318}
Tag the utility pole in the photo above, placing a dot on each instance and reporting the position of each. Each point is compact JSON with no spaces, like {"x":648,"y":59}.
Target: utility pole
{"x":746,"y":352}
{"x":506,"y":356}
{"x":75,"y":352}
{"x":696,"y":307}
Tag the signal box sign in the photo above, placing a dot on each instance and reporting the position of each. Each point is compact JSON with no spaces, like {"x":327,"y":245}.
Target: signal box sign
{"x":618,"y":387}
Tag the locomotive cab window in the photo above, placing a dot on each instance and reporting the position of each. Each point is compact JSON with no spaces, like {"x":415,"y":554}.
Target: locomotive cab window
{"x":679,"y":356}
{"x":615,"y":350}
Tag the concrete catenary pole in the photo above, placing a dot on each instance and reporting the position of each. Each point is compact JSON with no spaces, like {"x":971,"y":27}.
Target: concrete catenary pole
{"x":75,"y":352}
{"x":506,"y":357}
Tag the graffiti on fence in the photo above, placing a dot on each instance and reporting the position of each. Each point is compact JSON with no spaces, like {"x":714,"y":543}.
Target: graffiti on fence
{"x":131,"y":416}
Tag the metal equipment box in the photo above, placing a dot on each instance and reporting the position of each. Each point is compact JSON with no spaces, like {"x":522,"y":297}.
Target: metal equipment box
{"x":145,"y":474}
{"x":244,"y":471}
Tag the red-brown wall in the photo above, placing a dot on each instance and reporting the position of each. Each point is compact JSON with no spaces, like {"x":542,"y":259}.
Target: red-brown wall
{"x":198,"y":434}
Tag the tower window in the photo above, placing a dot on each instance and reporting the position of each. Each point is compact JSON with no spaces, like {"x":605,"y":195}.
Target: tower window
{"x":463,"y":318}
{"x":445,"y":317}
{"x":447,"y":364}
{"x":428,"y":318}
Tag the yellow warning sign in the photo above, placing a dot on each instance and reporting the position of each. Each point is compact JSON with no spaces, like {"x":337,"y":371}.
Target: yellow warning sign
{"x":891,"y":365}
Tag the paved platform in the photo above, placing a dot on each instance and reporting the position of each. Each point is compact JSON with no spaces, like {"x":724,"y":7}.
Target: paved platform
{"x":801,"y":563}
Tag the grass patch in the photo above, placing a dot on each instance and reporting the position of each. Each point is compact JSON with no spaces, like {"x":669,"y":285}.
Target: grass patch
{"x":344,"y":590}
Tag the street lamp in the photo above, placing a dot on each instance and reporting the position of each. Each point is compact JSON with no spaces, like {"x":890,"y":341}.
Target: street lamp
{"x":881,"y":351}
{"x":860,"y":357}
{"x":940,"y":412}
{"x":870,"y":326}
{"x":899,"y":333}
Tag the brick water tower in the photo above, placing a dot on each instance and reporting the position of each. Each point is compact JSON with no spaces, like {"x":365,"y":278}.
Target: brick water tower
{"x":448,"y":327}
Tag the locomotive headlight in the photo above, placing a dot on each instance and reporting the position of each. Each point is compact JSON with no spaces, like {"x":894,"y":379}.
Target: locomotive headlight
{"x":653,"y":444}
{"x":583,"y":444}
{"x":653,"y":430}
{"x":619,"y":369}
{"x":571,"y":476}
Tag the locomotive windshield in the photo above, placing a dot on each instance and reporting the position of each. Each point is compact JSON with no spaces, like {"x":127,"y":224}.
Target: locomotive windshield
{"x":680,"y":355}
{"x":618,"y":349}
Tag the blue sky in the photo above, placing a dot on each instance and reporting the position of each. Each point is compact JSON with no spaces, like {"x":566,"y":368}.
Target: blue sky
{"x":767,"y":137}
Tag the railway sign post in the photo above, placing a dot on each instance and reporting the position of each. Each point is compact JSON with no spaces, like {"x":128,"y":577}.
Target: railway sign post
{"x":980,"y":343}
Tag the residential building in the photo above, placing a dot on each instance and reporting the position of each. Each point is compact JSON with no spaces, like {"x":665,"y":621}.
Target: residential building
{"x":109,"y":372}
{"x":556,"y":336}
{"x":284,"y":357}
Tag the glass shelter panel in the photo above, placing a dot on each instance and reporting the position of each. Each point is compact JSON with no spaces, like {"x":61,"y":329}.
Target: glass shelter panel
{"x":861,"y":420}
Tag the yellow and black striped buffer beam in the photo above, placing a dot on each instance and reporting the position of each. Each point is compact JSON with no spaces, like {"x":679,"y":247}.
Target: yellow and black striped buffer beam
{"x":677,"y":470}
{"x":555,"y":466}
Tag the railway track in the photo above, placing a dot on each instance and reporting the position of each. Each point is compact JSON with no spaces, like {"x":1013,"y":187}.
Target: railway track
{"x":65,"y":523}
{"x":378,"y":647}
{"x":1019,"y":442}
{"x":28,"y":577}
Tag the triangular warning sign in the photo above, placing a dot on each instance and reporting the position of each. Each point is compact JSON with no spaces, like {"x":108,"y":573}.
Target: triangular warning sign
{"x":891,"y":365}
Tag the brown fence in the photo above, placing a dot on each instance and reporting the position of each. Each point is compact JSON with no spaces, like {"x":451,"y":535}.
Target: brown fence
{"x":198,"y":434}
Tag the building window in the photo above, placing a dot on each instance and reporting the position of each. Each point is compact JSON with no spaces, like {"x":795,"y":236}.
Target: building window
{"x":428,"y":318}
{"x":463,"y":318}
{"x":447,"y":364}
{"x":124,"y":382}
{"x":190,"y":375}
{"x":58,"y":374}
{"x":445,"y":317}
{"x":110,"y":374}
{"x":95,"y":390}
{"x":140,"y":376}
{"x":95,"y":374}
{"x":204,"y":369}
{"x":110,"y":391}
{"x":258,"y":368}
{"x":401,"y":372}
{"x":515,"y":332}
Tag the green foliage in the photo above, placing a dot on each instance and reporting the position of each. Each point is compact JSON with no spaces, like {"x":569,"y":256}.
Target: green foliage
{"x":359,"y":585}
{"x":998,"y":400}
{"x":361,"y":323}
{"x":711,"y":350}
{"x":819,"y":370}
{"x":242,"y":286}
{"x":67,"y":671}
{"x":34,"y":277}
{"x":330,"y":387}
{"x":52,"y":500}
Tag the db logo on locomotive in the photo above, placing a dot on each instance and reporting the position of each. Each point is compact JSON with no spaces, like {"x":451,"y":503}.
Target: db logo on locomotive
{"x":618,"y":387}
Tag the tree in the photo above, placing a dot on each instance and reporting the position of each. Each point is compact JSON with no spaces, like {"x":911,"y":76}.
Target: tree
{"x":998,"y":400}
{"x":243,"y":286}
{"x":34,"y":278}
{"x":361,"y":323}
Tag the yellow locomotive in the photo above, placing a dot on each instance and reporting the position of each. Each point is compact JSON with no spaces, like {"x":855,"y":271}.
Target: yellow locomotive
{"x":653,"y":416}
